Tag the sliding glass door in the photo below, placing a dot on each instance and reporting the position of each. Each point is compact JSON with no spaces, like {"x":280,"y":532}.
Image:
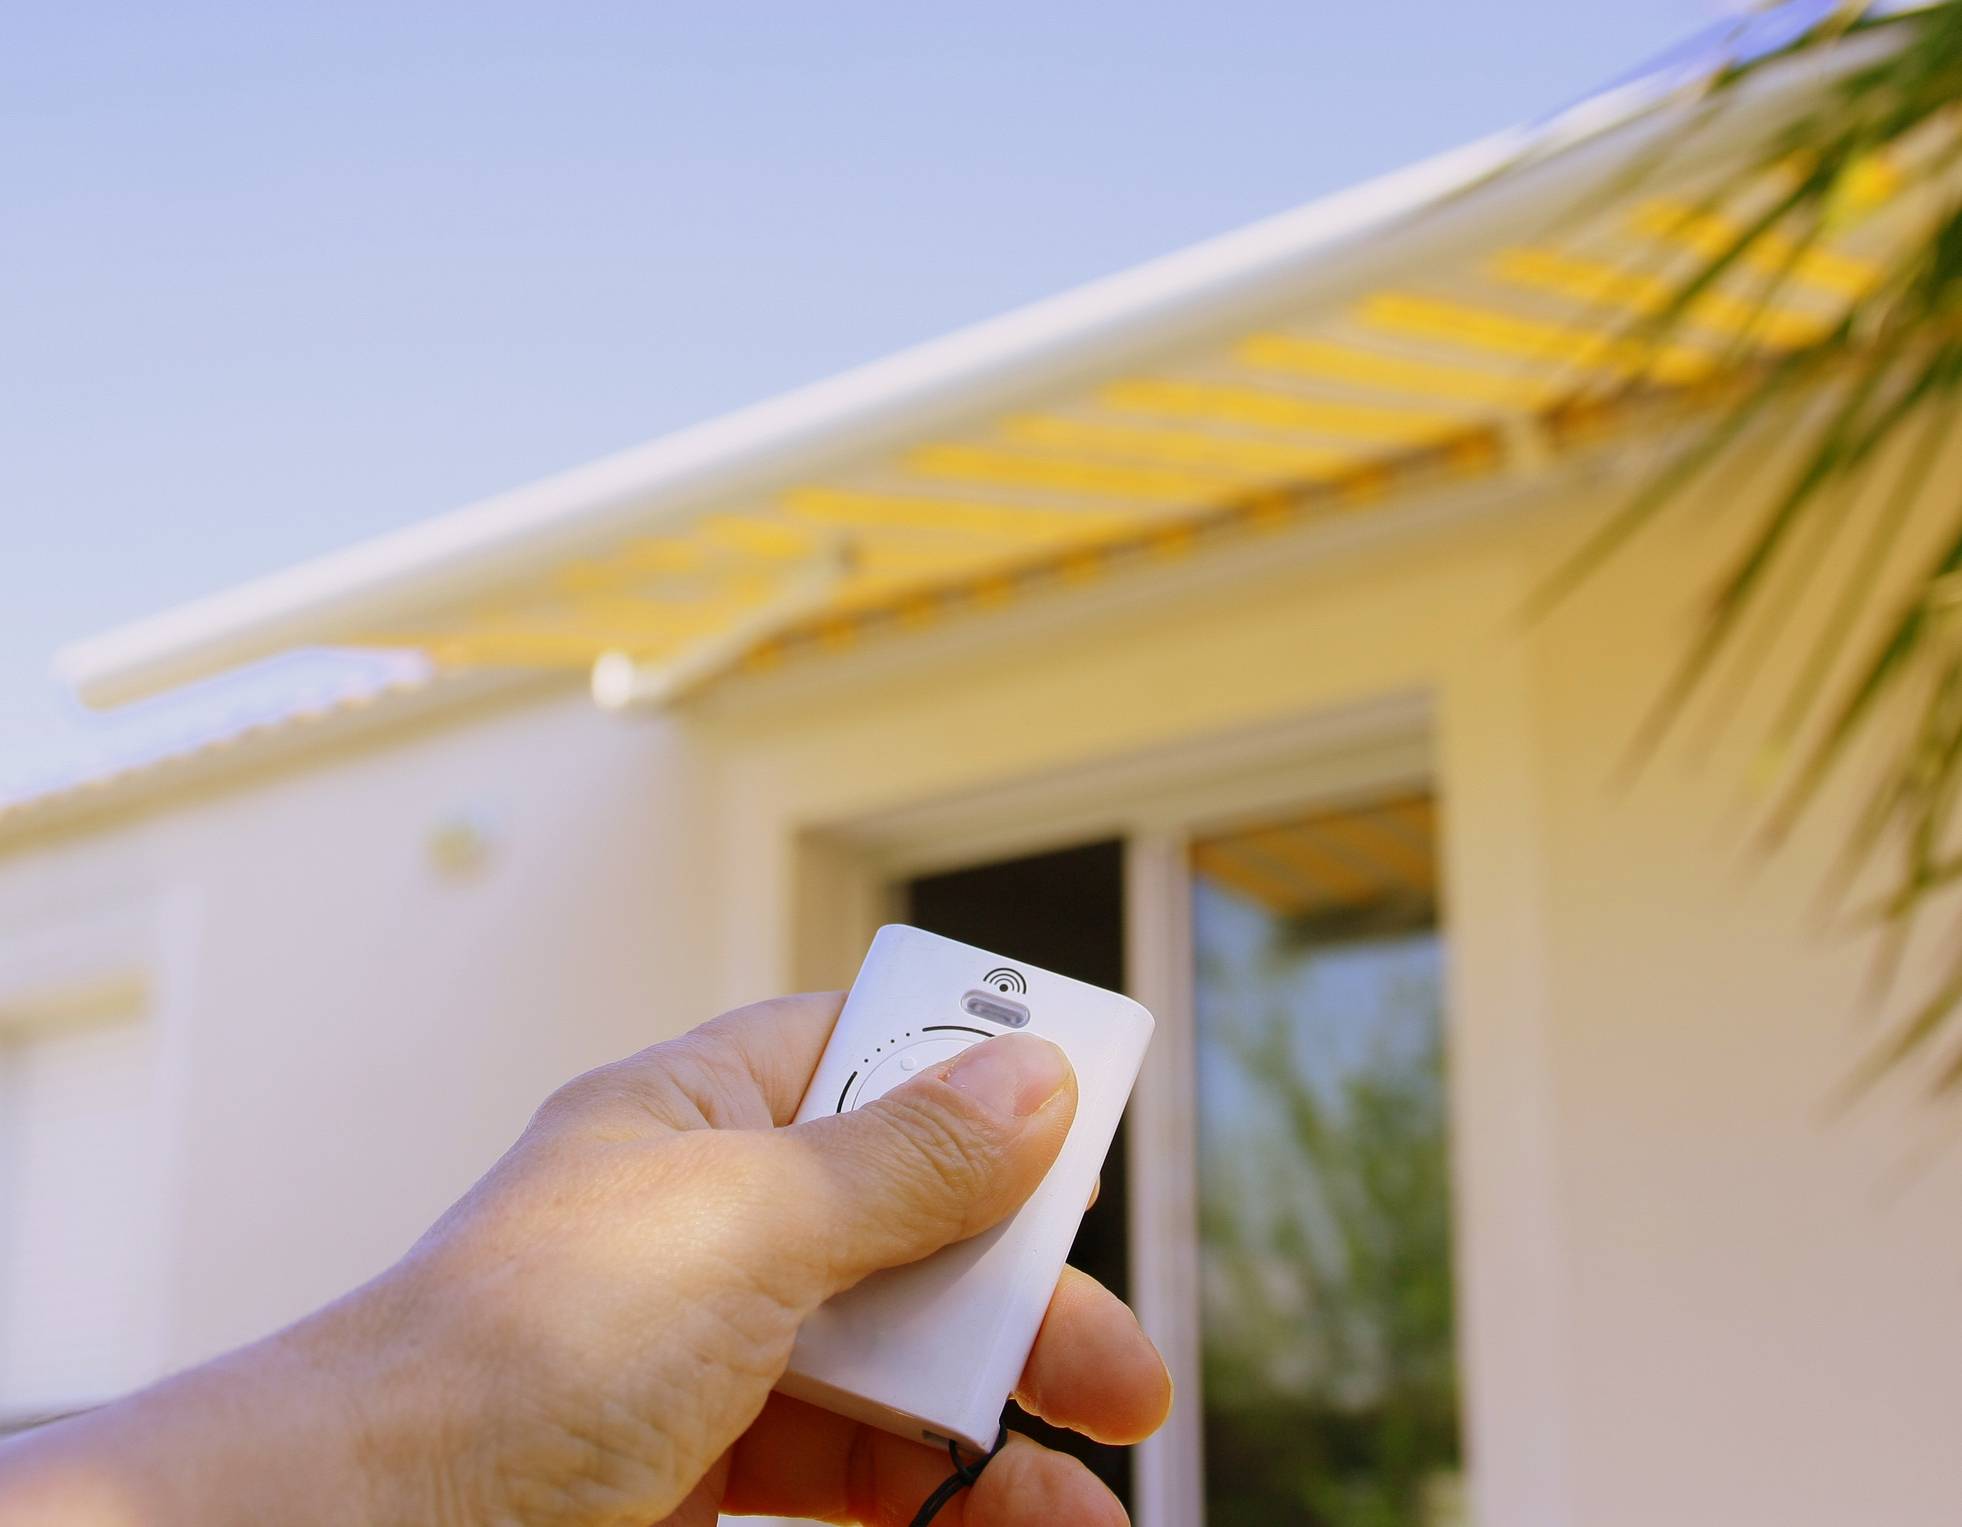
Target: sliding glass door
{"x":1326,"y":1314}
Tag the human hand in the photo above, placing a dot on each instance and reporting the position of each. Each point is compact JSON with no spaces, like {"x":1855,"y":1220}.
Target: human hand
{"x":590,"y":1336}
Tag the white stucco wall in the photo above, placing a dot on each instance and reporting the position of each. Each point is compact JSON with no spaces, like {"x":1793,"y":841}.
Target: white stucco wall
{"x":345,"y":1038}
{"x":1688,"y":1298}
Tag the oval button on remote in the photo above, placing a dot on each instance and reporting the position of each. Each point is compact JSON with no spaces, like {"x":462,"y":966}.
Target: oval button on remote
{"x":902,"y":1061}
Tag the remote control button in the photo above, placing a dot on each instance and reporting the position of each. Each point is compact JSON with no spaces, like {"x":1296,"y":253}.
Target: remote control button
{"x":900,"y":1060}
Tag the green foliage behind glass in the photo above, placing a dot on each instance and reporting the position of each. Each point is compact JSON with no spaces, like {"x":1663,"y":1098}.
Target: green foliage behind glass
{"x":1330,"y":1377}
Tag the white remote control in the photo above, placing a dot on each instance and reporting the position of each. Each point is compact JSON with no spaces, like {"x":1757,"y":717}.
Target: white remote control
{"x":932,"y":1350}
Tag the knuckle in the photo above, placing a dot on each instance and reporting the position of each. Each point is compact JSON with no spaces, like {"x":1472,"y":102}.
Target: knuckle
{"x":569,"y":1102}
{"x":620,"y":1100}
{"x":942,"y":1150}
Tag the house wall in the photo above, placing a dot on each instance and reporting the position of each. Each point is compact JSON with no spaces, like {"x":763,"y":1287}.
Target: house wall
{"x":1689,"y":1295}
{"x":345,"y":1036}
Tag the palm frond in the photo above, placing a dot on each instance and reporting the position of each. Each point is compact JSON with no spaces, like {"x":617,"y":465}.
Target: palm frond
{"x":1885,"y":380}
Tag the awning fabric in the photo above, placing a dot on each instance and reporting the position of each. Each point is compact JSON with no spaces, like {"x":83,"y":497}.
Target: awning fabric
{"x":1451,"y":320}
{"x":1368,"y":860}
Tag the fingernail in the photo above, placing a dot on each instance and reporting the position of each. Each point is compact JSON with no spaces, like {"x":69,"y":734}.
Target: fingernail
{"x":1011,"y":1074}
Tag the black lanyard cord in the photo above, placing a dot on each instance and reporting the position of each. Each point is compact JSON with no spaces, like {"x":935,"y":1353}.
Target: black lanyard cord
{"x":964,"y":1475}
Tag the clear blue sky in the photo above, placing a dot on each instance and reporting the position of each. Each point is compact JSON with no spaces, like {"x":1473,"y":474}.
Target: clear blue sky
{"x":275,"y":277}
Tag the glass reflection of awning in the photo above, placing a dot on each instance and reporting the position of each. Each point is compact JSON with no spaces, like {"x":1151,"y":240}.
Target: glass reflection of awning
{"x":1365,"y":867}
{"x":1464,"y":317}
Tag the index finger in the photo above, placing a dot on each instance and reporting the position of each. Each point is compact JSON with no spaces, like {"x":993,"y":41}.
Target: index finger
{"x":1092,"y":1368}
{"x":775,"y":1043}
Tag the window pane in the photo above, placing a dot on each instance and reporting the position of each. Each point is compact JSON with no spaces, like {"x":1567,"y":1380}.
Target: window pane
{"x":1330,"y":1386}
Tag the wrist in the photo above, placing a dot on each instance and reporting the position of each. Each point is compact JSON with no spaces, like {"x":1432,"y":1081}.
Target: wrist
{"x":375,"y":1416}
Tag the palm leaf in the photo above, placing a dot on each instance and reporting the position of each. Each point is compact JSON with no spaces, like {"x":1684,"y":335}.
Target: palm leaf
{"x":1889,"y":371}
{"x":1932,"y":388}
{"x":1894,"y":660}
{"x":1742,"y":588}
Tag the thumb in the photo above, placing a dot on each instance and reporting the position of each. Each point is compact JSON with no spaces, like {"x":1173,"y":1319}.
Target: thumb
{"x":944,"y":1157}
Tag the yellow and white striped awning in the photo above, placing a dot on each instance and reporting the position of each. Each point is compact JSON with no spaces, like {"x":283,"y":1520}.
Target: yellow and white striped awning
{"x":1437,"y":322}
{"x":1367,"y":858}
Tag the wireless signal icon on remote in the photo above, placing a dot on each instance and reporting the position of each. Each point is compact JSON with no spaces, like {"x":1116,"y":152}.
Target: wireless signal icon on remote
{"x":1004,"y":978}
